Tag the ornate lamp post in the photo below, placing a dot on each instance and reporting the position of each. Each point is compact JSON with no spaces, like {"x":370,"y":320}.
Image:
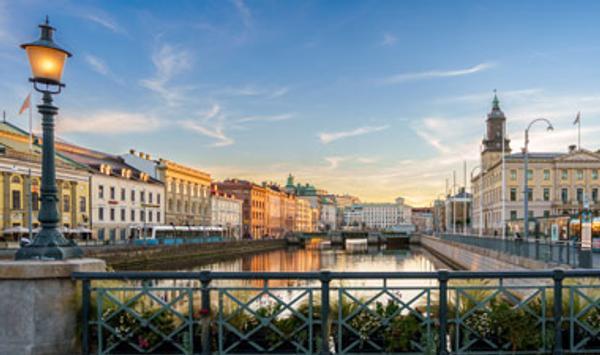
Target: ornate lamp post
{"x":47,"y":60}
{"x":526,"y":174}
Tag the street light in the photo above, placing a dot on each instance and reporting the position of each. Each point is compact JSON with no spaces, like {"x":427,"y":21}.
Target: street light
{"x":47,"y":61}
{"x":549,"y":127}
{"x":480,"y":196}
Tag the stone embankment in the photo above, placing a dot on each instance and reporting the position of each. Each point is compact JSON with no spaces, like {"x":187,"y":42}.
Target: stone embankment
{"x":130,"y":257}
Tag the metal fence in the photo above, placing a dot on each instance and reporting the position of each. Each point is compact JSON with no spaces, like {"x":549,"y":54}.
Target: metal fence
{"x":558,"y":252}
{"x":443,"y":312}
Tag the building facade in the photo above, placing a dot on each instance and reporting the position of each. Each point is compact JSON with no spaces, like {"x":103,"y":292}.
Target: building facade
{"x":124,"y":201}
{"x":303,"y":216}
{"x":187,"y":189}
{"x":378,"y":216}
{"x":226,"y":212}
{"x":422,"y":218}
{"x":254,"y":207}
{"x":457,"y":208}
{"x":20,"y":169}
{"x":557,"y":182}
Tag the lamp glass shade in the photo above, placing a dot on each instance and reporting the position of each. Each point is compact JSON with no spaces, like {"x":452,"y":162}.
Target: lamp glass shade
{"x":46,"y":63}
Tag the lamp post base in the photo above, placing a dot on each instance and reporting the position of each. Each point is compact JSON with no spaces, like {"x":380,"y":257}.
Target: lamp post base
{"x":49,"y":244}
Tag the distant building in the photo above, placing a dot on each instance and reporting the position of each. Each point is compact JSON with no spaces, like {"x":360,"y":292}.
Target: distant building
{"x":422,"y":218}
{"x":226,"y":212}
{"x":72,"y":181}
{"x":378,"y":216}
{"x":458,"y":211}
{"x":439,"y":216}
{"x":187,"y":189}
{"x":328,"y":214}
{"x":124,"y":200}
{"x":254,"y":207}
{"x":303,"y":216}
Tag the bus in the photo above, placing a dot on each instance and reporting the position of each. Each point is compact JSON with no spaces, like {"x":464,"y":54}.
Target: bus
{"x":176,"y":235}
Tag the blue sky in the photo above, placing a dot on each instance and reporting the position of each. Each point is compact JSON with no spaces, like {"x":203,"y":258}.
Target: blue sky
{"x":374,"y":98}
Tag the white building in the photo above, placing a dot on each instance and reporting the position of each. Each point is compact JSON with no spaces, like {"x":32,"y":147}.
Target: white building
{"x":226,"y":212}
{"x":380,"y":216}
{"x":123,"y":199}
{"x":328,"y":215}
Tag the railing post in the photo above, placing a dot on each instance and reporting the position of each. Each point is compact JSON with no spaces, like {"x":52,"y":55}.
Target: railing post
{"x":558,"y":277}
{"x":85,"y":316}
{"x":325,"y":278}
{"x":443,"y":277}
{"x":205,"y":279}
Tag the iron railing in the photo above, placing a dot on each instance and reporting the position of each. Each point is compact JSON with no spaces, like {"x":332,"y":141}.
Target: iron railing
{"x":558,"y":252}
{"x":443,"y":312}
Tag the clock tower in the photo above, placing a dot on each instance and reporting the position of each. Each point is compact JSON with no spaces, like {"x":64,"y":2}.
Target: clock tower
{"x":495,"y":132}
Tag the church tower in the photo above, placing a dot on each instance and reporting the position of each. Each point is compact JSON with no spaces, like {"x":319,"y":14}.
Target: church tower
{"x":492,"y":143}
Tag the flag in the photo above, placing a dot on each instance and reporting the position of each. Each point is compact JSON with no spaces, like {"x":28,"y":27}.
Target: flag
{"x":26,"y":104}
{"x":577,"y":119}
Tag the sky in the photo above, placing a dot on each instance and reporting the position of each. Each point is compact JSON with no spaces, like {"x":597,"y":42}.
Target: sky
{"x":378,"y":99}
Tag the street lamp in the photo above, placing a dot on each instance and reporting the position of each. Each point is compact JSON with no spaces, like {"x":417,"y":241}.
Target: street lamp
{"x":480,"y":196}
{"x":549,"y":127}
{"x":47,"y":61}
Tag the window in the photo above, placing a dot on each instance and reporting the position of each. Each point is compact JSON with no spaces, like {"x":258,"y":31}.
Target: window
{"x":149,"y":197}
{"x":132,"y":195}
{"x":513,"y":194}
{"x":564,"y":174}
{"x":100,"y":213}
{"x":66,"y":203}
{"x":513,"y":215}
{"x":595,"y":174}
{"x":100,"y":191}
{"x":123,"y":234}
{"x":82,"y":204}
{"x":564,"y":195}
{"x":580,"y":195}
{"x":579,"y":174}
{"x":142,"y":216}
{"x":529,"y":174}
{"x":123,"y":215}
{"x":112,"y":192}
{"x":529,"y":194}
{"x":530,"y":214}
{"x":595,"y":194}
{"x":178,"y":206}
{"x":142,"y":196}
{"x":546,"y":213}
{"x":101,"y":233}
{"x":513,"y":174}
{"x":35,"y":201}
{"x":149,"y":216}
{"x":546,"y":174}
{"x":112,"y":214}
{"x":16,"y":200}
{"x":158,"y":217}
{"x":158,"y":199}
{"x":123,"y":192}
{"x":132,"y":215}
{"x":546,"y":194}
{"x":170,"y":205}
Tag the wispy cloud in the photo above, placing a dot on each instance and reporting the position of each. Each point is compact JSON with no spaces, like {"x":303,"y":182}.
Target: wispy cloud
{"x":214,"y":132}
{"x":328,"y":137}
{"x":244,"y":12}
{"x":252,"y":90}
{"x":100,"y":67}
{"x":274,"y":118}
{"x":105,"y":21}
{"x":169,"y":61}
{"x":388,"y":40}
{"x":108,"y":122}
{"x":405,"y":77}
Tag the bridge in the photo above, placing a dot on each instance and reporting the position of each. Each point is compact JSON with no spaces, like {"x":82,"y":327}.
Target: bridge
{"x":340,"y":238}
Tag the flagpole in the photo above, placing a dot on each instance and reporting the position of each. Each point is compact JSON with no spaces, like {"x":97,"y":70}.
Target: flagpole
{"x":579,"y":132}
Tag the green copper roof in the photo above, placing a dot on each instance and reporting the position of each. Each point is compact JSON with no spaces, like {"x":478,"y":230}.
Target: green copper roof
{"x":495,"y":102}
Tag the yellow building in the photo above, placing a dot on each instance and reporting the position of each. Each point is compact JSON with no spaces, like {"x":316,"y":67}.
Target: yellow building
{"x":304,"y":216}
{"x":187,"y":189}
{"x":20,"y":167}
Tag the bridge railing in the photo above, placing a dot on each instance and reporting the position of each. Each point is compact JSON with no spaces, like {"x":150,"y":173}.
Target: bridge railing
{"x":443,"y":312}
{"x":558,"y":252}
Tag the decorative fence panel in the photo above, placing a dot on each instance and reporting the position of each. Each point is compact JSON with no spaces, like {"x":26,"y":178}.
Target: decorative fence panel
{"x":443,"y":312}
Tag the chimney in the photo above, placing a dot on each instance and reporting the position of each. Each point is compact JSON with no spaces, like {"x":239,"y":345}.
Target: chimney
{"x":132,"y":151}
{"x":572,"y":148}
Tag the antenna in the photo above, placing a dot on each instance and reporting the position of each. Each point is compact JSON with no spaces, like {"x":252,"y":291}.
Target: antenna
{"x":4,"y":116}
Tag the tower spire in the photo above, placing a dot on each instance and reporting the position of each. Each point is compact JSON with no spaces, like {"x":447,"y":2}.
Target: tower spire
{"x":495,"y":102}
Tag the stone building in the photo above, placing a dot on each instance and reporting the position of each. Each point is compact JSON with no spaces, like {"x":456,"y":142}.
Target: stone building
{"x":422,"y":218}
{"x":378,"y":216}
{"x":557,"y":182}
{"x":187,"y":189}
{"x":124,"y":200}
{"x":226,"y":212}
{"x":20,"y":168}
{"x":457,"y":209}
{"x":254,"y":207}
{"x":303,"y":216}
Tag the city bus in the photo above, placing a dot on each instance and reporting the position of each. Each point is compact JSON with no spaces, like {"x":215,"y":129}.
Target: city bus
{"x":175,"y":235}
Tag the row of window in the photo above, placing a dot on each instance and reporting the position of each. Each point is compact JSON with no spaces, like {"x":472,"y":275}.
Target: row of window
{"x":123,"y":195}
{"x":192,"y":190}
{"x":513,"y":214}
{"x":184,"y":206}
{"x":564,"y":174}
{"x":17,"y":202}
{"x":123,"y":215}
{"x":564,"y":194}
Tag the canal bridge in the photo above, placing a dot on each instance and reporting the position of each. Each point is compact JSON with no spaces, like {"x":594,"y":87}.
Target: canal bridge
{"x":341,"y":237}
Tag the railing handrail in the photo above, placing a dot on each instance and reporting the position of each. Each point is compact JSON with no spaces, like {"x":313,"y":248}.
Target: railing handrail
{"x":511,"y":238}
{"x":327,"y":275}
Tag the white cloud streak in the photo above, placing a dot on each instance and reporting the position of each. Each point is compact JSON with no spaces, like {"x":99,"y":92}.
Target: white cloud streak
{"x":244,"y":12}
{"x":406,"y":77}
{"x":388,"y":40}
{"x":168,"y":62}
{"x":328,"y":137}
{"x":105,"y":21}
{"x":100,"y":67}
{"x":214,"y":132}
{"x":274,"y":118}
{"x":108,"y":122}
